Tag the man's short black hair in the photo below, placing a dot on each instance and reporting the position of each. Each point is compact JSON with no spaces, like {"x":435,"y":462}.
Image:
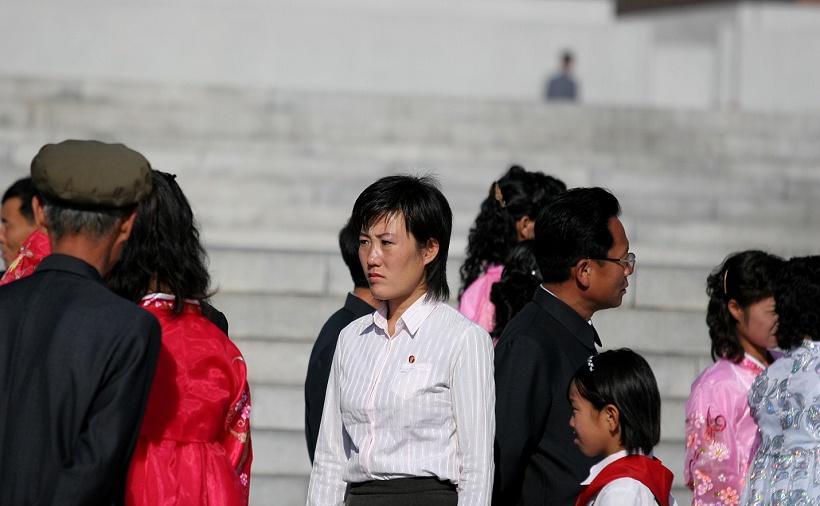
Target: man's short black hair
{"x":25,"y":191}
{"x":796,"y":292}
{"x":574,"y":225}
{"x":349,"y":246}
{"x":624,"y":379}
{"x":426,"y":214}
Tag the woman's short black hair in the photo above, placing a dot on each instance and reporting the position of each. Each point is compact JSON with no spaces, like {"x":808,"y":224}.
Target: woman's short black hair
{"x":624,"y":379}
{"x":426,"y":214}
{"x":747,"y":277}
{"x":349,"y":246}
{"x":163,"y":249}
{"x":573,"y":226}
{"x":796,"y":296}
{"x":516,"y":194}
{"x":518,"y":282}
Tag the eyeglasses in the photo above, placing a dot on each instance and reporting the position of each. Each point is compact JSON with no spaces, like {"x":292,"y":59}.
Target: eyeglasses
{"x":628,"y":262}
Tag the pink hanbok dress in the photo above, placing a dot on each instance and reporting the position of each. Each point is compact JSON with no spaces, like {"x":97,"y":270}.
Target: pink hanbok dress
{"x":475,"y":301}
{"x":721,"y":434}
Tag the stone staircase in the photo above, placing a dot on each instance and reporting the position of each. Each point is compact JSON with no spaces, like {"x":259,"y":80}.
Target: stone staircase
{"x":272,"y":175}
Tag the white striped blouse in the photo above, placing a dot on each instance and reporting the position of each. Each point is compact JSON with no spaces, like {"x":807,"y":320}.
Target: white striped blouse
{"x":419,"y":403}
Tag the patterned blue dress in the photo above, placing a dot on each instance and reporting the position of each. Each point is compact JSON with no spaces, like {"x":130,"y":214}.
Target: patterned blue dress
{"x":785,"y":401}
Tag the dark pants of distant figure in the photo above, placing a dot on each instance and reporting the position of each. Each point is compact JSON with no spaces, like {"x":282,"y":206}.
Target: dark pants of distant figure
{"x":403,"y":492}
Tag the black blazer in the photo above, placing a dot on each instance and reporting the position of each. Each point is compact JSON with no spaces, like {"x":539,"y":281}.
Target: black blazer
{"x":536,"y":462}
{"x":76,"y":364}
{"x":321,"y":358}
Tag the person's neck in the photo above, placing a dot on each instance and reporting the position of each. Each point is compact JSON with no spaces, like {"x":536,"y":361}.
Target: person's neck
{"x":366,"y":295}
{"x":758,"y":352}
{"x":397,"y":307}
{"x":93,"y":251}
{"x":569,"y":295}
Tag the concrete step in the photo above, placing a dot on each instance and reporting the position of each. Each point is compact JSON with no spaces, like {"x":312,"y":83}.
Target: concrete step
{"x":278,"y":490}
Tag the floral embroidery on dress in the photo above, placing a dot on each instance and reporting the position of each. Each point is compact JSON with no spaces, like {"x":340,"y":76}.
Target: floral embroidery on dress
{"x":720,"y":433}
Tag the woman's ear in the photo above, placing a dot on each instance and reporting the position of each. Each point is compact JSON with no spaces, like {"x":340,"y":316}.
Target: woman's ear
{"x":612,"y":418}
{"x":736,"y":311}
{"x":430,"y":250}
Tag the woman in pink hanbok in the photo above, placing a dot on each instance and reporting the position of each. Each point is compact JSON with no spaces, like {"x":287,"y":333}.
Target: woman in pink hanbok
{"x":507,"y":216}
{"x":721,"y":435}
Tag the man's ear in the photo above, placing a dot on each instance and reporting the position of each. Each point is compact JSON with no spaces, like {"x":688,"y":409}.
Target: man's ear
{"x":39,"y":212}
{"x":581,"y":273}
{"x":525,"y":228}
{"x":430,"y":250}
{"x":126,"y":225}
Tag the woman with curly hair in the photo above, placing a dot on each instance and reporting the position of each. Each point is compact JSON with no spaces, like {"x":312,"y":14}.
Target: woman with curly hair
{"x":720,"y":433}
{"x":785,"y":399}
{"x":507,"y":216}
{"x":194,"y":446}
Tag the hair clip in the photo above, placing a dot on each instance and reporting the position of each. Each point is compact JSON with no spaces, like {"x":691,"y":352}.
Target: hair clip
{"x":499,"y":197}
{"x":590,"y":364}
{"x":725,"y":279}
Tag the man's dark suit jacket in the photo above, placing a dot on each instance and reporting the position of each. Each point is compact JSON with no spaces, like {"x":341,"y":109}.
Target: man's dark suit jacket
{"x":321,"y":357}
{"x":76,"y":364}
{"x":536,"y":462}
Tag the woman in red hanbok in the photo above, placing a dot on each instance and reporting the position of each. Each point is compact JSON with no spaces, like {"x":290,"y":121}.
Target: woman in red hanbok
{"x":194,"y":447}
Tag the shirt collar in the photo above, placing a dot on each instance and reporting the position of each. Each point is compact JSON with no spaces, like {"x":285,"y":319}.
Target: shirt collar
{"x":411,"y":319}
{"x":595,"y":470}
{"x":66,"y":263}
{"x":754,"y":363}
{"x":582,"y":329}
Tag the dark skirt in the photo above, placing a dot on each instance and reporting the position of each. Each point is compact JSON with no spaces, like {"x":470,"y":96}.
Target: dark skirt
{"x":402,"y":492}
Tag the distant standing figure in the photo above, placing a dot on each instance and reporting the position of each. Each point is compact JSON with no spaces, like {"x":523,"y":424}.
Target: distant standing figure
{"x":562,"y":85}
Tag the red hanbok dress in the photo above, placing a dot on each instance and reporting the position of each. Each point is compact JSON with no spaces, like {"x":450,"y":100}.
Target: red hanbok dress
{"x":33,"y":250}
{"x":194,"y":447}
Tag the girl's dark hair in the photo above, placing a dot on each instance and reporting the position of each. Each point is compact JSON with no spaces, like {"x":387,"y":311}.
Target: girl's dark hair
{"x":747,"y":277}
{"x":426,"y":213}
{"x":163,"y":248}
{"x":624,"y":379}
{"x":516,"y":194}
{"x":796,"y":296}
{"x":518,"y":281}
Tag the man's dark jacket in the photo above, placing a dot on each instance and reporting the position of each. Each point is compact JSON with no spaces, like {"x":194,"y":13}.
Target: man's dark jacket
{"x":321,"y":358}
{"x":536,"y":462}
{"x":76,"y":364}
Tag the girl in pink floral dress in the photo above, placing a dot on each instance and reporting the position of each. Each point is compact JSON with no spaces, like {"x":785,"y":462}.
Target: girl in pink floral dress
{"x":721,"y":436}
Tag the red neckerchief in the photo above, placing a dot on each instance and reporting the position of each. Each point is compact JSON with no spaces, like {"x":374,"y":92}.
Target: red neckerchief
{"x":647,"y":470}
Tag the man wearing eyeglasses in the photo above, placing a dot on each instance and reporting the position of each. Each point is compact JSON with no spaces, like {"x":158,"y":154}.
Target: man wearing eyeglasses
{"x":583,"y":254}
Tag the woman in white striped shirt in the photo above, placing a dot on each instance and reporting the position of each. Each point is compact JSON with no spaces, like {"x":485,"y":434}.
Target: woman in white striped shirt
{"x":409,"y":416}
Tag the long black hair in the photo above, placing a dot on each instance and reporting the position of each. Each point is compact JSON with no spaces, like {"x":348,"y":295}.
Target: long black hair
{"x":163,"y":251}
{"x":516,"y":194}
{"x":746,"y":277}
{"x":796,"y":292}
{"x":624,"y":379}
{"x":518,"y":282}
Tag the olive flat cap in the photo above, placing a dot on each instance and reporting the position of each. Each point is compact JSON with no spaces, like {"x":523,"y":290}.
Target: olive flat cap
{"x":91,"y":174}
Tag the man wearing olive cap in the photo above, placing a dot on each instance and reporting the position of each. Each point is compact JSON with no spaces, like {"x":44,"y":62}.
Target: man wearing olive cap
{"x":76,"y":361}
